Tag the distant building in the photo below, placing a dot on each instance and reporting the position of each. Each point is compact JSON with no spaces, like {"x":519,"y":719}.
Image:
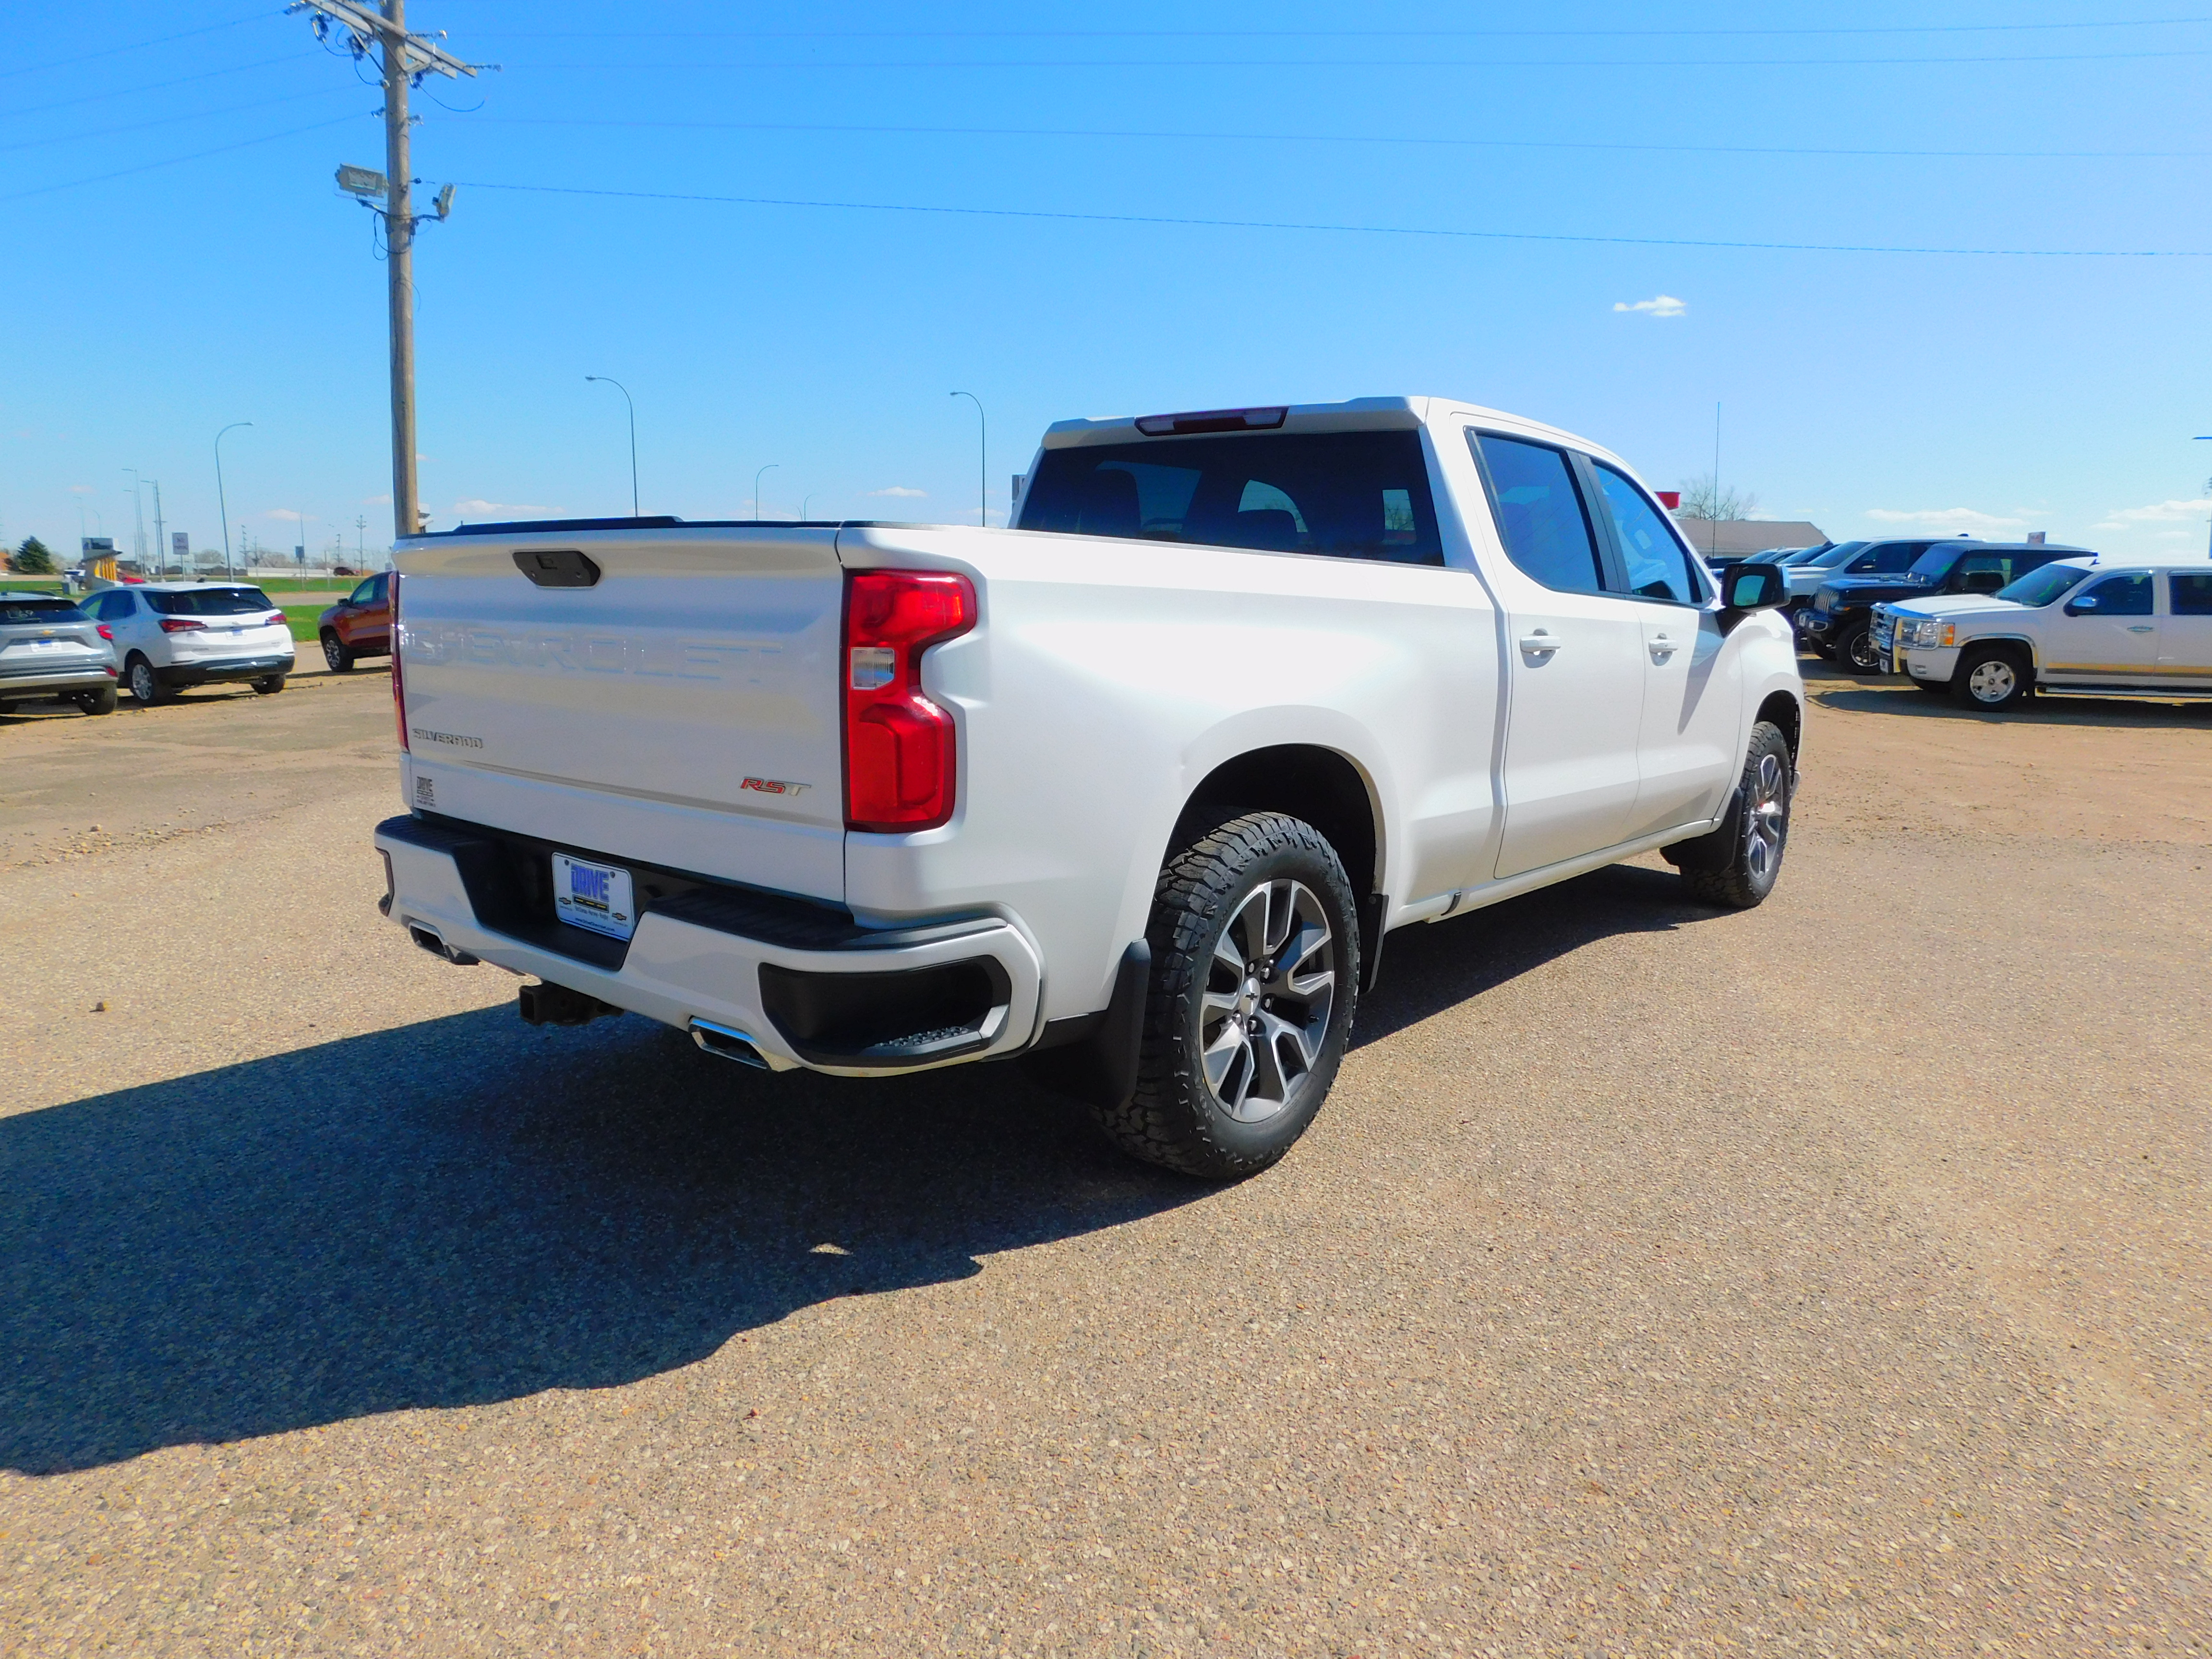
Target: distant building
{"x":1748,"y":535}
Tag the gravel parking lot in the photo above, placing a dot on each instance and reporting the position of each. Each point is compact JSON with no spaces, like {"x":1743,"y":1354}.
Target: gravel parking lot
{"x":1830,"y":1278}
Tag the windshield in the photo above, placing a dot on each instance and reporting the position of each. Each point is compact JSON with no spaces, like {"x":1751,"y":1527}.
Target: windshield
{"x":1829,"y":559}
{"x":32,"y":607}
{"x":2040,"y":588}
{"x":210,"y":602}
{"x":1799,"y":556}
{"x":1347,"y":494}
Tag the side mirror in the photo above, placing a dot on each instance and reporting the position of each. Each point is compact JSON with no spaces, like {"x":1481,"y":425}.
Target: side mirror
{"x":2082,"y":605}
{"x":1753,"y":587}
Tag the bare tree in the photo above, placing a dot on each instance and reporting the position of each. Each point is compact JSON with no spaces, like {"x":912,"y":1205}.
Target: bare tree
{"x":1702,"y":498}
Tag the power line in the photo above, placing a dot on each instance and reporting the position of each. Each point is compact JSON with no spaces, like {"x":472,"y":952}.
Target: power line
{"x":171,"y":120}
{"x":781,"y":65}
{"x":177,"y":161}
{"x":1340,"y":34}
{"x":137,"y":46}
{"x":1345,"y":138}
{"x":1357,"y":230}
{"x":154,"y":86}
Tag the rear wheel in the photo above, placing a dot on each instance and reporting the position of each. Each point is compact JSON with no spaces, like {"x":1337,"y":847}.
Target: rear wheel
{"x":269,"y":685}
{"x":146,"y":687}
{"x":102,"y":701}
{"x":335,"y":654}
{"x":1255,"y":979}
{"x":1857,"y":651}
{"x":1993,"y":677}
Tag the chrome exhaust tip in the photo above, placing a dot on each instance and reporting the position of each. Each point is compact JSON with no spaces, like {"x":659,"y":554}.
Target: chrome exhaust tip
{"x":728,"y":1043}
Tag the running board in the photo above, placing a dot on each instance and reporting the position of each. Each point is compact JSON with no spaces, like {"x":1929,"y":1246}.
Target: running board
{"x":2129,"y":693}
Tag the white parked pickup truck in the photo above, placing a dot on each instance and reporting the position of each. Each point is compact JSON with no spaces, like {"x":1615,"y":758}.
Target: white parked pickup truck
{"x":1136,"y":789}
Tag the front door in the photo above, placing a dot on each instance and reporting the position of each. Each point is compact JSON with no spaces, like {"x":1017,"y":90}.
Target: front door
{"x":2106,"y":630}
{"x":1686,"y":753}
{"x":1576,"y":654}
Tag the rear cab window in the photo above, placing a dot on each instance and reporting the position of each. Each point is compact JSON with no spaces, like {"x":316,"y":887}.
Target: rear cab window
{"x":1337,"y":495}
{"x":210,"y":602}
{"x":2191,"y":593}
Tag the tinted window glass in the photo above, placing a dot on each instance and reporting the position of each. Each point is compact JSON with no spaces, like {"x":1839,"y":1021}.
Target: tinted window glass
{"x":2192,"y":594}
{"x":27,"y":608}
{"x":1658,"y":569}
{"x":2115,"y":596}
{"x":2040,"y":588}
{"x":210,"y":602}
{"x":1347,"y":494}
{"x":1888,"y":559}
{"x":362,"y":594}
{"x":1539,"y":513}
{"x":1841,"y":553}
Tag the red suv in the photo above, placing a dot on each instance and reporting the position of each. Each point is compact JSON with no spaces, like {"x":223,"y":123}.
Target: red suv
{"x":358,"y":625}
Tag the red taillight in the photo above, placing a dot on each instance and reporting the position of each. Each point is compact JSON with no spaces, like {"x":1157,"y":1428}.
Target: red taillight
{"x":105,"y":632}
{"x":399,"y":689}
{"x":181,"y":624}
{"x":902,"y":762}
{"x":275,"y":616}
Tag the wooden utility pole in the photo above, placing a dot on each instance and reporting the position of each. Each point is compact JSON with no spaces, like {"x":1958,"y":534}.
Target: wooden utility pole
{"x":406,"y":58}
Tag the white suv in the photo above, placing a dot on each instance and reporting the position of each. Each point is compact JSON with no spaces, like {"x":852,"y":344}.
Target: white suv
{"x":173,"y":634}
{"x":2082,"y":626}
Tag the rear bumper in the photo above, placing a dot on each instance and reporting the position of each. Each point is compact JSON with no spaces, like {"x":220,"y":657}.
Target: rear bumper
{"x":59,"y":682}
{"x":225,"y":668}
{"x":802,"y":982}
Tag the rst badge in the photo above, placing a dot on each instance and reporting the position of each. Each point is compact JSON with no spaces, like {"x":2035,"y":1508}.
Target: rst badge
{"x":773,"y":787}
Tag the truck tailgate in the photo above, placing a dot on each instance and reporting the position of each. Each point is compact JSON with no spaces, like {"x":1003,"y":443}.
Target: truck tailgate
{"x":682,"y":710}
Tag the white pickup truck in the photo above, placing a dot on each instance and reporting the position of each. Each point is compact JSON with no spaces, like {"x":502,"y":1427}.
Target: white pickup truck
{"x":1136,"y":789}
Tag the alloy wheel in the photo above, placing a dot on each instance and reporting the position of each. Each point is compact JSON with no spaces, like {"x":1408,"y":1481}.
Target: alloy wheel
{"x":1263,"y":1016}
{"x":143,"y":686}
{"x":1767,"y":821}
{"x":1992,"y":681}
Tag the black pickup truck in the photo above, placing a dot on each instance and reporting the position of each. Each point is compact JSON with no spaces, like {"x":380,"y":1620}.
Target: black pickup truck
{"x":1840,"y":624}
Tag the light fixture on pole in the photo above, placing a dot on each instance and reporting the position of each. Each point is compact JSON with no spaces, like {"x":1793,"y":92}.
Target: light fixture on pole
{"x":770,"y":467}
{"x":807,"y":502}
{"x":625,"y":390}
{"x":222,"y":501}
{"x":982,"y":458}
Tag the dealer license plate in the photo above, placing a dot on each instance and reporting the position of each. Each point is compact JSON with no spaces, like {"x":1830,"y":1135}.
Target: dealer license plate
{"x":593,"y":895}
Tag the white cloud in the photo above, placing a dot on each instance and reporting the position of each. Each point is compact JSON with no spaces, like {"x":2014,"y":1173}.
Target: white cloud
{"x":83,"y":489}
{"x":1945,"y":518}
{"x":464,"y":509}
{"x":902,"y":491}
{"x":1661,"y":305}
{"x":2130,"y":518}
{"x":286,"y":513}
{"x":376,"y":501}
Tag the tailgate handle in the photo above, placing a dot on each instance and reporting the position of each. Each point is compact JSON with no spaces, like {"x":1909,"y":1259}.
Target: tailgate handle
{"x":559,"y":567}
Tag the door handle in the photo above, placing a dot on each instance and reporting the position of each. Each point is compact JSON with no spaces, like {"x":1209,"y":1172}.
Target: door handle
{"x":2140,"y":629}
{"x":1540,"y":643}
{"x":1662,"y":646}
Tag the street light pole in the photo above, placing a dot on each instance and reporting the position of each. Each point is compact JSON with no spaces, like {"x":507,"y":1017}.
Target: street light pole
{"x":222,"y":501}
{"x":625,"y":390}
{"x":138,"y":519}
{"x":770,"y":467}
{"x":982,"y":456}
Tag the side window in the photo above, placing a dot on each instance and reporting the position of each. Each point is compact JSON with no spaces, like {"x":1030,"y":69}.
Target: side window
{"x":1541,"y":517}
{"x":1658,"y":569}
{"x":1889,"y":559}
{"x":2115,"y":596}
{"x":1981,"y":573}
{"x":2192,"y":594}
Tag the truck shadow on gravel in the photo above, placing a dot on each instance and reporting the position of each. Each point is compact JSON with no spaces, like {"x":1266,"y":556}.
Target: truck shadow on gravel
{"x":468,"y":1210}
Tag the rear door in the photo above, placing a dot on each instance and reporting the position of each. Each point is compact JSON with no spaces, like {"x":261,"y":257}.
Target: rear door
{"x":681,"y":709}
{"x":1686,"y":745}
{"x":1577,"y":682}
{"x":2184,"y":632}
{"x":2106,"y":631}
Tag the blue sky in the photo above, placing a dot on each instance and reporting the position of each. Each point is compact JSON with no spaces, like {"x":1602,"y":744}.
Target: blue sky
{"x":1869,"y":392}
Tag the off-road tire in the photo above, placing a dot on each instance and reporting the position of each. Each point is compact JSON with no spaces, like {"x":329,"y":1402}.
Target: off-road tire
{"x":1737,"y":865}
{"x":102,"y":701}
{"x":146,"y":687}
{"x":268,"y":685}
{"x":1175,"y":1118}
{"x":1996,"y":656}
{"x":335,"y":654}
{"x":1848,"y":650}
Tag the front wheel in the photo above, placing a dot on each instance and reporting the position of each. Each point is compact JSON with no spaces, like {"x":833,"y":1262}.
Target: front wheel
{"x":1993,"y":679}
{"x":1857,"y":652}
{"x":1255,"y":980}
{"x":1737,"y":865}
{"x":269,"y":685}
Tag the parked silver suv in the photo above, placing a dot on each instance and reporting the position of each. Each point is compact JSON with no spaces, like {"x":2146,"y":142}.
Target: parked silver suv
{"x":51,"y":648}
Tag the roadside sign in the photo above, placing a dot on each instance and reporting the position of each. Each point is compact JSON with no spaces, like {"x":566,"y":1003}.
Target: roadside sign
{"x":180,"y":546}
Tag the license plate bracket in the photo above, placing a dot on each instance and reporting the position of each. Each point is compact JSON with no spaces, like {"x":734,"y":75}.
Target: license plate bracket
{"x":598,"y":898}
